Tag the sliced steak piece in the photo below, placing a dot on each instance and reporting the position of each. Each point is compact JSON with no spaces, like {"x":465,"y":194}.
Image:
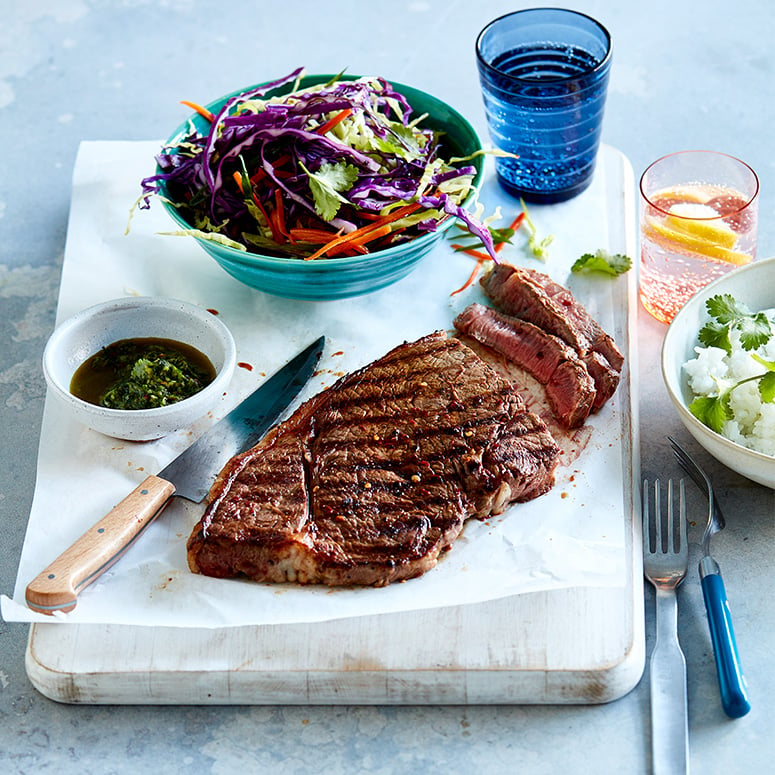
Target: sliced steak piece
{"x":370,"y":480}
{"x":535,"y":297}
{"x":605,"y":377}
{"x":569,"y":387}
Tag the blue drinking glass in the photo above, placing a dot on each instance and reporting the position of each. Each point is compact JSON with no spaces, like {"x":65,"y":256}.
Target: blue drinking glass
{"x":544,"y":75}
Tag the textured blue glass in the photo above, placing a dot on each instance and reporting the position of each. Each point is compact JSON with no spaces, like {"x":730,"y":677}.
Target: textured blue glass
{"x":544,"y":75}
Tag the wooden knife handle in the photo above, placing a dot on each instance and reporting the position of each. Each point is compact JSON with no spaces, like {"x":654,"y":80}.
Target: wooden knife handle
{"x":57,"y":587}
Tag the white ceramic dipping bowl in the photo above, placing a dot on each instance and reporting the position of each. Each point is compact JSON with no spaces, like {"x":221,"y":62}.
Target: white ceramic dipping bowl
{"x":754,"y":285}
{"x":84,"y":334}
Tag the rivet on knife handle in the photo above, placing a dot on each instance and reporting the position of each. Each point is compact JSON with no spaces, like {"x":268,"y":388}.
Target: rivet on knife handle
{"x":57,"y":587}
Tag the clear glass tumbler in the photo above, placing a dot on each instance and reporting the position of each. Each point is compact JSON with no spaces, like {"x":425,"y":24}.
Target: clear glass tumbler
{"x":544,"y":77}
{"x":698,"y":221}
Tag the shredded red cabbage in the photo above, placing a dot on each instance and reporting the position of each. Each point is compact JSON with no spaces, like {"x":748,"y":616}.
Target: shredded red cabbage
{"x":269,"y":176}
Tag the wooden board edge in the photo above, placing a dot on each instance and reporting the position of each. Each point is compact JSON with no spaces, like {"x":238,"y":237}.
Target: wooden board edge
{"x":602,"y":684}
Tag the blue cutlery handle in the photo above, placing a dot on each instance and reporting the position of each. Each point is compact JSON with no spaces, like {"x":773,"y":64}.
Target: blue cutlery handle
{"x":734,"y":695}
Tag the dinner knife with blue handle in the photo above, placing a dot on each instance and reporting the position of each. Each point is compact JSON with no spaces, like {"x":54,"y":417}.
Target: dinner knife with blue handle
{"x":189,"y":476}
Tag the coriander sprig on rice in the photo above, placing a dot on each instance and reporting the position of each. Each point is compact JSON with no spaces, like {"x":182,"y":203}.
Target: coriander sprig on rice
{"x":753,"y":330}
{"x":728,"y":313}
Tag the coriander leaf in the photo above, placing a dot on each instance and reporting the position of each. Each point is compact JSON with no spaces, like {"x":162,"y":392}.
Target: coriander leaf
{"x":603,"y":262}
{"x":725,"y":308}
{"x":715,"y":334}
{"x":767,"y":387}
{"x":712,"y":411}
{"x":325,"y":185}
{"x":754,"y":331}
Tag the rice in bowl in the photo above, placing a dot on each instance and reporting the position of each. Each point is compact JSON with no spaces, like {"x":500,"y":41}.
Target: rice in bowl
{"x":713,"y":370}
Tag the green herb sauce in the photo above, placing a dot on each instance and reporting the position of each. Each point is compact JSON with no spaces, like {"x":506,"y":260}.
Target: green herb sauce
{"x":142,"y":374}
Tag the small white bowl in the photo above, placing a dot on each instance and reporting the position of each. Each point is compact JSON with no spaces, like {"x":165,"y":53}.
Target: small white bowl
{"x":84,"y":334}
{"x":754,"y":285}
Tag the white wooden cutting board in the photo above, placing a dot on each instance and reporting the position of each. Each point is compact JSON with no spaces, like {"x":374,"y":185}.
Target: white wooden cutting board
{"x":572,"y":645}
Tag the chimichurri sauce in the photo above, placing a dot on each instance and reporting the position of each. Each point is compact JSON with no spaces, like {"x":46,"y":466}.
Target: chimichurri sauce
{"x":142,"y":373}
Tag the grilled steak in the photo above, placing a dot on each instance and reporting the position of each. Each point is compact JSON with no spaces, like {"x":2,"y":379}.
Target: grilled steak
{"x":536,"y":298}
{"x":569,"y":388}
{"x":370,"y":480}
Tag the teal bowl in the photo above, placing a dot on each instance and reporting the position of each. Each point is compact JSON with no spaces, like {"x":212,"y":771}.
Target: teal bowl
{"x":344,"y":277}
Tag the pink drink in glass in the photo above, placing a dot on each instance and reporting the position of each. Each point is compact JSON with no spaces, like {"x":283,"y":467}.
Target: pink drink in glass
{"x":693,"y":232}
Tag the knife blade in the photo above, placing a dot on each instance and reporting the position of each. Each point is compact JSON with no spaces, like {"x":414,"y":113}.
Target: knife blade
{"x":189,"y":476}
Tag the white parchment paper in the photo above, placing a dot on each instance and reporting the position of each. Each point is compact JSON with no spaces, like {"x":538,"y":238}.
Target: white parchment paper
{"x":573,"y":536}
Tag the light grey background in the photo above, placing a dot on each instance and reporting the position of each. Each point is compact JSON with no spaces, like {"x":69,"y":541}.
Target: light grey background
{"x":685,"y":75}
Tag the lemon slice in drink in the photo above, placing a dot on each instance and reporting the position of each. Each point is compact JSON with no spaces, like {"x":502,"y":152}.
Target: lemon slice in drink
{"x":708,"y":239}
{"x":667,"y":198}
{"x":701,"y":222}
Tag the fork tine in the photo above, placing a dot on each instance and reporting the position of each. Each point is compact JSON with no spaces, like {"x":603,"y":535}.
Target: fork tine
{"x":670,"y":519}
{"x":648,"y":533}
{"x":687,"y":462}
{"x":652,"y":516}
{"x":658,"y":546}
{"x":663,"y":531}
{"x":665,"y":550}
{"x":676,"y":542}
{"x":674,"y":538}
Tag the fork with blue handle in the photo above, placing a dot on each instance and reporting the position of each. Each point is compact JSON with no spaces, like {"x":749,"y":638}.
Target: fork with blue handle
{"x":734,"y":693}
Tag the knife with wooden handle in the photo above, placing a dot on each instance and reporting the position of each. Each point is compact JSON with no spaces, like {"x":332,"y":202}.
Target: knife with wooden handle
{"x":189,"y":476}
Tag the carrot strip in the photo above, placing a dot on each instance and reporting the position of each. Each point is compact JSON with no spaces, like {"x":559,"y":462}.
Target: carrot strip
{"x":202,"y":111}
{"x":277,"y":233}
{"x":381,"y":231}
{"x":514,"y":225}
{"x":319,"y":236}
{"x":280,"y":212}
{"x":360,"y":242}
{"x":333,"y":121}
{"x":272,"y":226}
{"x":517,"y":222}
{"x":475,"y":253}
{"x":389,"y":239}
{"x":269,"y":222}
{"x":472,"y":276}
{"x":352,"y":250}
{"x":258,"y":175}
{"x":396,"y":215}
{"x":238,"y":180}
{"x":261,"y":173}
